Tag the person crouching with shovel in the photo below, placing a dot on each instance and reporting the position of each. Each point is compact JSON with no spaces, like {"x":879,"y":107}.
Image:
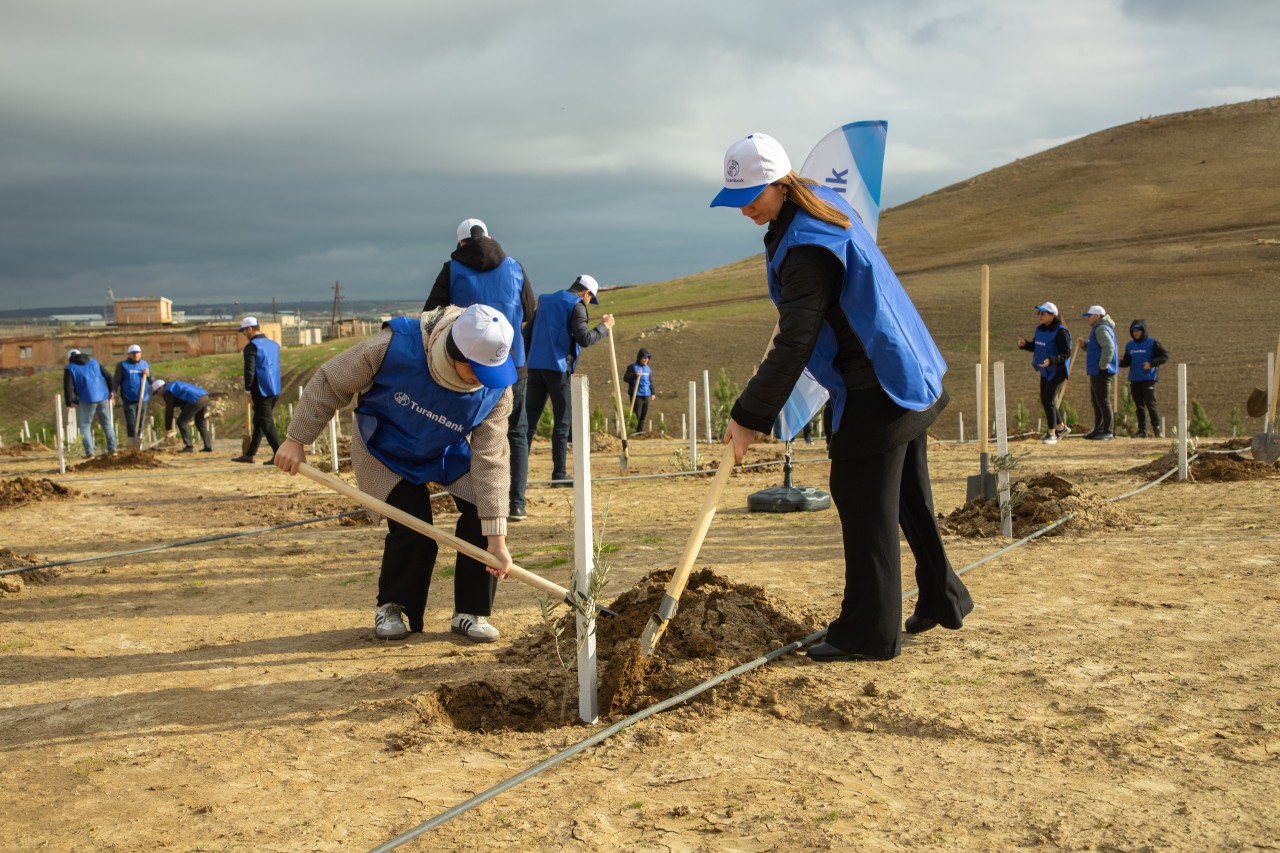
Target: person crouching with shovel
{"x":433,"y":400}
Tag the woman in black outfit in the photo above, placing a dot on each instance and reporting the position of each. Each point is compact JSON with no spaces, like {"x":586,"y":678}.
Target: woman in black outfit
{"x":843,"y":313}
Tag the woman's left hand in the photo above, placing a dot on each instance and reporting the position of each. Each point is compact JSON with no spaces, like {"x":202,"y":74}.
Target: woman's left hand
{"x":740,"y":437}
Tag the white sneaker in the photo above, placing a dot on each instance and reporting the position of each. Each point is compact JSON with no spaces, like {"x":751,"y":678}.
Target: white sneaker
{"x":388,"y":624}
{"x":474,"y":628}
{"x":1049,"y":439}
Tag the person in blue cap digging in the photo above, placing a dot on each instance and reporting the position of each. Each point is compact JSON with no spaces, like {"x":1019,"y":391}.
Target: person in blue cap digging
{"x":843,"y":314}
{"x":433,"y":395}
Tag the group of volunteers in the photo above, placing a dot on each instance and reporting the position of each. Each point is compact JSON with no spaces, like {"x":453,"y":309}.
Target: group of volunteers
{"x":454,"y":396}
{"x":1052,"y":357}
{"x":90,"y":391}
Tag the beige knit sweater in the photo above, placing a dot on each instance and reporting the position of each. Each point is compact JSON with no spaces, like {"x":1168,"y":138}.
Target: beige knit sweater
{"x":339,"y":380}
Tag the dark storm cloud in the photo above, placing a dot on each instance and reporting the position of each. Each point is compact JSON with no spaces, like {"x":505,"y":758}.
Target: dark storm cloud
{"x":251,"y":150}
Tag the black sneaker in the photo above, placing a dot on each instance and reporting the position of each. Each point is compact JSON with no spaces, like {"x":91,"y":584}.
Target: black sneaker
{"x":188,"y":449}
{"x":1104,"y":436}
{"x":206,"y":450}
{"x":1142,"y":433}
{"x":517,"y":515}
{"x":248,"y":460}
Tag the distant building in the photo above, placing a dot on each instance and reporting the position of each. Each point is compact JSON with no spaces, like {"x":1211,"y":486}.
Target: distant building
{"x":77,"y":319}
{"x":144,"y":311}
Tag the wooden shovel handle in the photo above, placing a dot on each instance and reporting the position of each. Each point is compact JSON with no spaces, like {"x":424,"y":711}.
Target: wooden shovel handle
{"x":675,"y":587}
{"x":430,"y":531}
{"x":617,"y":392}
{"x":1275,"y":392}
{"x":983,"y":358}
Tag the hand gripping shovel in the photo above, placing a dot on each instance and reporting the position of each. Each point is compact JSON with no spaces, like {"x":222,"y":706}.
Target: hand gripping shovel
{"x":414,"y":523}
{"x":617,"y":397}
{"x":657,"y":623}
{"x":1266,"y":444}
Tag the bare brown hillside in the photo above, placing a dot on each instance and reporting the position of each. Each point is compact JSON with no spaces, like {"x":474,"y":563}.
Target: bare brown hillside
{"x":1175,"y":219}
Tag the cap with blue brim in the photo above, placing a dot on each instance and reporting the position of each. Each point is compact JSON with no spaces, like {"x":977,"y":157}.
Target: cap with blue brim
{"x":750,"y":165}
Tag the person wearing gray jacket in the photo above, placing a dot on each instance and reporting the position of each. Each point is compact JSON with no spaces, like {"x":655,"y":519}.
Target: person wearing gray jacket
{"x":1102,"y":362}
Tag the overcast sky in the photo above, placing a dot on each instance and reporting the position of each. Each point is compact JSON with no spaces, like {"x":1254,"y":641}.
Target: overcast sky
{"x":243,"y":150}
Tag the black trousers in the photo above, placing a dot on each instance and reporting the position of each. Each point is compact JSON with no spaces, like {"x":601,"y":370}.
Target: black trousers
{"x":1049,"y":399}
{"x":641,"y":409}
{"x":1144,"y":399}
{"x":553,"y":385}
{"x":1100,"y":399}
{"x":195,"y":411}
{"x":875,"y":496}
{"x":264,"y":423}
{"x":408,"y":558}
{"x":518,"y":442}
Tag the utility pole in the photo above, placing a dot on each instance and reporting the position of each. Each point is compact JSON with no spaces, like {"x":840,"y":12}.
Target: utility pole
{"x":336,"y":321}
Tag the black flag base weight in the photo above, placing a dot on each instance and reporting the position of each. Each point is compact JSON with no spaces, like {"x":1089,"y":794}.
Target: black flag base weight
{"x":787,"y":497}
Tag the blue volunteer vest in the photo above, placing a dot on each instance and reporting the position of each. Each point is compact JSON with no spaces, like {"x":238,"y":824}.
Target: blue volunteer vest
{"x":133,"y":384}
{"x":643,"y":388}
{"x":1138,"y":353}
{"x":185,"y":392}
{"x":412,"y":424}
{"x":551,"y":347}
{"x":499,"y":288}
{"x":905,"y":359}
{"x":266,"y":367}
{"x":1047,"y":347}
{"x":89,"y":384}
{"x":1093,"y":350}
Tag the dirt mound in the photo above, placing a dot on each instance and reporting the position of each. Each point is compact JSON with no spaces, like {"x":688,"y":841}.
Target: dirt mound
{"x":122,"y":459}
{"x":1037,"y":502}
{"x":23,"y":447}
{"x":1215,"y":468}
{"x":719,"y":625}
{"x":15,"y":583}
{"x":602,"y":442}
{"x":25,"y":490}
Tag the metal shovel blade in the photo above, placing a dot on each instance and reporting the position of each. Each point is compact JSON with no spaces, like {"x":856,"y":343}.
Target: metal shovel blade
{"x":982,"y":485}
{"x":1266,"y":447}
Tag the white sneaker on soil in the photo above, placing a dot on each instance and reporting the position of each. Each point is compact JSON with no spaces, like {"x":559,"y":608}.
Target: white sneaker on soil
{"x":474,"y":628}
{"x":388,"y":623}
{"x":1049,"y":439}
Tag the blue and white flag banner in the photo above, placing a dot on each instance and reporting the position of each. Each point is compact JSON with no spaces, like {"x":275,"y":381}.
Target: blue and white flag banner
{"x":806,"y":400}
{"x":850,"y":160}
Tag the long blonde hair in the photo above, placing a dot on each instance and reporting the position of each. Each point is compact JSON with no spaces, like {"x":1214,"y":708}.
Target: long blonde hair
{"x":800,"y":190}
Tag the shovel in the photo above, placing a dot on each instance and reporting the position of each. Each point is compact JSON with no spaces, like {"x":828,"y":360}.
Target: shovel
{"x":617,"y":397}
{"x":248,"y":429}
{"x":1266,"y":444}
{"x":135,"y":441}
{"x":581,"y":603}
{"x":983,"y":485}
{"x":658,"y":622}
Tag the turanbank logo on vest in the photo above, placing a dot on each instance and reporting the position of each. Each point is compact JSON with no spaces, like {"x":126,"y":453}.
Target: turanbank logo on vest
{"x":405,"y":400}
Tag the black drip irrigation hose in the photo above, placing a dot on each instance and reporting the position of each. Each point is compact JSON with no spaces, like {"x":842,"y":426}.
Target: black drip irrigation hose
{"x":580,"y":746}
{"x":202,"y":540}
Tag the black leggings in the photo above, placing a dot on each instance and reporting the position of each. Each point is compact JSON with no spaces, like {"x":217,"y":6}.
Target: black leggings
{"x":1144,"y":399}
{"x":1049,"y":399}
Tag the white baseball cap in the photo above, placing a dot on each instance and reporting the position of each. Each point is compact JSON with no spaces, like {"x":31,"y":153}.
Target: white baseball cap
{"x":134,"y":348}
{"x":1048,"y":306}
{"x":750,"y":165}
{"x":72,"y":352}
{"x":484,"y":337}
{"x":248,"y":322}
{"x":465,"y":226}
{"x":156,"y":386}
{"x":1095,"y":309}
{"x":590,"y":284}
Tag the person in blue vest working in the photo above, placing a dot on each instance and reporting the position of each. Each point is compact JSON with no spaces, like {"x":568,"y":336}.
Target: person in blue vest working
{"x":639,"y":379}
{"x":1050,"y":349}
{"x":261,"y":385}
{"x":191,"y":401}
{"x":86,"y":387}
{"x":1102,"y":363}
{"x":560,"y":331}
{"x":130,"y":382}
{"x":1143,"y":355}
{"x":843,"y":314}
{"x":433,"y":408}
{"x":479,"y":271}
